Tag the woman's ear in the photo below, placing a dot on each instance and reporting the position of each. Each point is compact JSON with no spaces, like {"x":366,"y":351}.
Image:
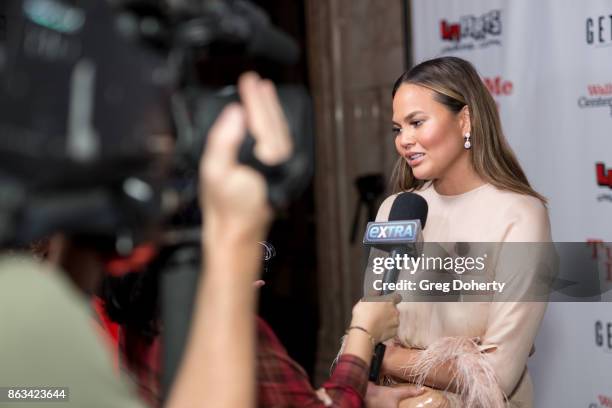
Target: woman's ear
{"x":465,"y":122}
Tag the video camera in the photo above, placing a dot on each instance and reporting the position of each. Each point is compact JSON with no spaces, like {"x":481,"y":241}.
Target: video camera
{"x":101,"y":114}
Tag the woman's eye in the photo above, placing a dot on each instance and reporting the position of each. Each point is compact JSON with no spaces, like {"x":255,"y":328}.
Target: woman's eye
{"x":396,"y":131}
{"x":416,"y":123}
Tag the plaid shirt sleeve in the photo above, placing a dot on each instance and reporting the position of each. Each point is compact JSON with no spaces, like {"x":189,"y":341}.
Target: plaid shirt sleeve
{"x":283,"y":383}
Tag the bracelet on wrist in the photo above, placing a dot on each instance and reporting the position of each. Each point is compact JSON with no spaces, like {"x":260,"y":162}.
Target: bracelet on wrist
{"x":362,"y":330}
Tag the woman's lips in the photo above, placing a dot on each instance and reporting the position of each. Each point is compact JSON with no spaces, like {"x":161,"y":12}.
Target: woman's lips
{"x":414,"y":159}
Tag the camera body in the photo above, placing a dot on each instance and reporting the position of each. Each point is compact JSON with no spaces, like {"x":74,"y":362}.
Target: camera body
{"x":100,"y":113}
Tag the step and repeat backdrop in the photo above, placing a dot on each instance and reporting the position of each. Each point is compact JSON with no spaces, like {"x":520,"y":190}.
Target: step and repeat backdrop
{"x":548,"y":64}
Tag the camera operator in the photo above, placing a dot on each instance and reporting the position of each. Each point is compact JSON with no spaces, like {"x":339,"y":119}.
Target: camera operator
{"x":47,"y":333}
{"x":237,"y":216}
{"x":240,"y":223}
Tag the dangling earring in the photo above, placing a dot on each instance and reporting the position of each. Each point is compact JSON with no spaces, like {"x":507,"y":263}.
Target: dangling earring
{"x":467,"y":145}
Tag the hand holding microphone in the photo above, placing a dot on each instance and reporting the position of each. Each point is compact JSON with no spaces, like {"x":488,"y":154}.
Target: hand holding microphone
{"x":378,"y":315}
{"x":399,"y":236}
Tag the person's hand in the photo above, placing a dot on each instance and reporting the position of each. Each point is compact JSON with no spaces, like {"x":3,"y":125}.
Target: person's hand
{"x":396,"y":355}
{"x":378,"y":315}
{"x":379,"y":396}
{"x":234,"y":196}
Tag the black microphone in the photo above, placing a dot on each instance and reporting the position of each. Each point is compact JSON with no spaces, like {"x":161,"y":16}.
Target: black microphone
{"x":399,"y":236}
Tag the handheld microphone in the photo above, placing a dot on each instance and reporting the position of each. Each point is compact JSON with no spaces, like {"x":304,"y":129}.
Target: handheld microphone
{"x":399,"y":236}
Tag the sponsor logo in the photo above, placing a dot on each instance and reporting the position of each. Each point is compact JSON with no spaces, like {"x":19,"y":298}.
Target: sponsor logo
{"x":599,"y":30}
{"x":604,"y":180}
{"x":598,"y":96}
{"x":498,"y":86}
{"x":393,"y":231}
{"x":604,"y":401}
{"x":472,"y":31}
{"x":603,"y":335}
{"x":602,"y":254}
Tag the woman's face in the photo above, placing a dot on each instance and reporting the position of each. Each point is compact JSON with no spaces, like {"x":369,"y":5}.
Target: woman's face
{"x":427,"y":134}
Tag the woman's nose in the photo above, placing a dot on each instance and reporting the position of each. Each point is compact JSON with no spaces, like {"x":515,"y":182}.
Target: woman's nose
{"x":405,"y":139}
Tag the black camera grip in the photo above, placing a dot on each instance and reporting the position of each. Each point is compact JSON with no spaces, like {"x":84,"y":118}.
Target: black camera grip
{"x":282,"y":179}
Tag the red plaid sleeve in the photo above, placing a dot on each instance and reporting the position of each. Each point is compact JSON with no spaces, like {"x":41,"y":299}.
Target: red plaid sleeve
{"x":283,"y":383}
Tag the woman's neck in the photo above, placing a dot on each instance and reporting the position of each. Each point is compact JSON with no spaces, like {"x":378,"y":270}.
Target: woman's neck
{"x":458,"y":179}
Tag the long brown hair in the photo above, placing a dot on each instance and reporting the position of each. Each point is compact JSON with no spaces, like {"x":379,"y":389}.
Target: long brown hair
{"x":455,"y":84}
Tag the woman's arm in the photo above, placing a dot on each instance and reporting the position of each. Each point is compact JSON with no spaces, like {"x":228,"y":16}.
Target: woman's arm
{"x":374,"y":320}
{"x":399,"y":362}
{"x":218,"y":367}
{"x":460,"y":364}
{"x":222,"y":323}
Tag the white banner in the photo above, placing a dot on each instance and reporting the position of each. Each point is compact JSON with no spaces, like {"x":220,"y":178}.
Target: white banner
{"x":548,"y":64}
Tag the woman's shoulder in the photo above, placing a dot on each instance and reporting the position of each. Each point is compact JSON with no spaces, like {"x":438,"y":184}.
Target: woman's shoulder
{"x":515,"y":202}
{"x":525,"y":214}
{"x":487,"y":199}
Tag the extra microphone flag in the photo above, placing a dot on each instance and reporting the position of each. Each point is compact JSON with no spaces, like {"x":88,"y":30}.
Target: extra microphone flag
{"x":383,"y":234}
{"x":407,"y":219}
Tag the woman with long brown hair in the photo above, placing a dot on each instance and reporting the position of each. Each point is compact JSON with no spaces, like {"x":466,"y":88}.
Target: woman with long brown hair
{"x":453,"y":153}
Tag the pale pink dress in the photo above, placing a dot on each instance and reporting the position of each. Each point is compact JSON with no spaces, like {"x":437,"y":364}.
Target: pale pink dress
{"x":506,"y":330}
